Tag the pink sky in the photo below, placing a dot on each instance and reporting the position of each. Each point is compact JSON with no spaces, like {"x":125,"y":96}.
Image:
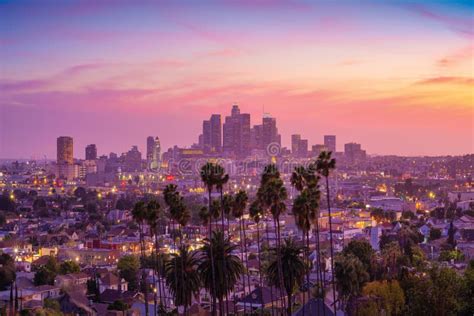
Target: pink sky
{"x":397,"y":78}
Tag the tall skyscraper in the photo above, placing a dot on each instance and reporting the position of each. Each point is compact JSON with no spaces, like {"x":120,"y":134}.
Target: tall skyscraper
{"x":295,"y":143}
{"x":65,"y":150}
{"x":91,"y":152}
{"x":354,"y":152}
{"x":153,"y":152}
{"x":269,"y":131}
{"x":256,"y":137}
{"x":303,"y":148}
{"x":212,"y":134}
{"x":330,"y":142}
{"x":236,"y":133}
{"x":133,"y":160}
{"x":65,"y":158}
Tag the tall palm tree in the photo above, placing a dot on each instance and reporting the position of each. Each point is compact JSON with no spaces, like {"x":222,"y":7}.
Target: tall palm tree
{"x":290,"y":257}
{"x":255,"y":212}
{"x":208,"y":177}
{"x":187,"y":284}
{"x":324,"y":165}
{"x":272,"y":195}
{"x":153,"y":210}
{"x":238,"y":209}
{"x":221,"y":178}
{"x":306,"y":211}
{"x":139,"y":214}
{"x":228,"y":266}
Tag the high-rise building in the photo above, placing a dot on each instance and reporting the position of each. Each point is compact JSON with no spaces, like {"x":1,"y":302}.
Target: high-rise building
{"x":317,"y":149}
{"x":212,"y":134}
{"x":91,"y":152}
{"x":256,"y":137}
{"x":65,"y":158}
{"x":330,"y":143}
{"x":354,"y":152}
{"x":65,"y":150}
{"x":295,"y":143}
{"x":236,"y":133}
{"x":303,"y":148}
{"x":133,"y":160}
{"x":153,"y":152}
{"x":269,"y":131}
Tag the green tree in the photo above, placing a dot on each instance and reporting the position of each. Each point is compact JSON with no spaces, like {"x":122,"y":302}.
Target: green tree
{"x":292,"y":262}
{"x":119,"y":305}
{"x":351,"y":276}
{"x":467,"y":291}
{"x":128,"y":267}
{"x":7,"y":271}
{"x":182,"y":277}
{"x":139,"y":214}
{"x":389,"y":294}
{"x":228,"y":266}
{"x":47,"y":273}
{"x":51,"y":304}
{"x":69,"y":266}
{"x":324,"y":165}
{"x":391,"y":256}
{"x":362,"y":250}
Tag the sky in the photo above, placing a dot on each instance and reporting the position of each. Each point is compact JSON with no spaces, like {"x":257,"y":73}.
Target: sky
{"x":395,"y":76}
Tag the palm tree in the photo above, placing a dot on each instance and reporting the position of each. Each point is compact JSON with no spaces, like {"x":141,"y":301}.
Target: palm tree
{"x":306,"y":209}
{"x":351,"y":276}
{"x":208,"y":177}
{"x":187,"y":284}
{"x":139,"y":214}
{"x":226,"y":205}
{"x":324,"y":165}
{"x":291,"y":259}
{"x":153,"y":210}
{"x":272,"y":195}
{"x":221,"y":178}
{"x":228,"y":266}
{"x":238,"y":209}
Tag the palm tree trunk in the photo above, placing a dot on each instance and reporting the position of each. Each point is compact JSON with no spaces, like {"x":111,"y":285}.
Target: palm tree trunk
{"x":288,"y":308}
{"x":280,"y":267}
{"x":332,"y":246}
{"x":259,"y":263}
{"x":213,"y":311}
{"x":158,"y":270}
{"x":271,"y":287}
{"x":307,"y":274}
{"x":142,"y":250}
{"x":223,"y":261}
{"x":320,"y":265}
{"x":246,"y":256}
{"x":242,"y":257}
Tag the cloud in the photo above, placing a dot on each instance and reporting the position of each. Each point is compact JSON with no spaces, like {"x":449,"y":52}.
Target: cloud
{"x":462,"y":55}
{"x":461,"y":25}
{"x":447,"y":80}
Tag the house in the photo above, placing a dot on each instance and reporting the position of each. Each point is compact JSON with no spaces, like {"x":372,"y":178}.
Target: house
{"x":72,"y":280}
{"x":261,"y":297}
{"x":112,"y":282}
{"x":314,"y":307}
{"x":76,"y":303}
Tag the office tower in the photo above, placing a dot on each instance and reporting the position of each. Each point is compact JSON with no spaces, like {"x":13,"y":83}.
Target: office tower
{"x":236,"y":133}
{"x":317,"y":149}
{"x":269,"y":131}
{"x":211,"y":134}
{"x":256,"y":137}
{"x":91,"y":152}
{"x":65,"y":150}
{"x":295,"y":143}
{"x":65,"y":158}
{"x":354,"y":152}
{"x":153,"y":151}
{"x":133,"y":160}
{"x":303,"y":148}
{"x":330,"y":142}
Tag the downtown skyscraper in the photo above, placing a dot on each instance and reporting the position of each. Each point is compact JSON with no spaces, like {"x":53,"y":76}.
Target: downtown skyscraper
{"x":236,"y":133}
{"x":211,"y":137}
{"x":153,"y":151}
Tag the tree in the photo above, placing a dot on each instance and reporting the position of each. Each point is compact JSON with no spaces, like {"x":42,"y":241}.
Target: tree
{"x":182,"y":277}
{"x":128,"y":267}
{"x":47,"y":273}
{"x":451,"y":231}
{"x":391,"y":256}
{"x":219,"y":250}
{"x":467,"y":291}
{"x":153,"y":214}
{"x":272,"y":195}
{"x":139,"y":214}
{"x":292,"y":262}
{"x":209,"y":177}
{"x":351,"y":277}
{"x":52,"y":304}
{"x":390,"y":297}
{"x":80,"y":193}
{"x":119,"y":305}
{"x":448,"y":255}
{"x":69,"y":266}
{"x":324,"y":165}
{"x":362,"y":250}
{"x":435,"y":233}
{"x":7,"y":271}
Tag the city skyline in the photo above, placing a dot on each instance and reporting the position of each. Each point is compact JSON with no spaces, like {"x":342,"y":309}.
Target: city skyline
{"x":371,"y":73}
